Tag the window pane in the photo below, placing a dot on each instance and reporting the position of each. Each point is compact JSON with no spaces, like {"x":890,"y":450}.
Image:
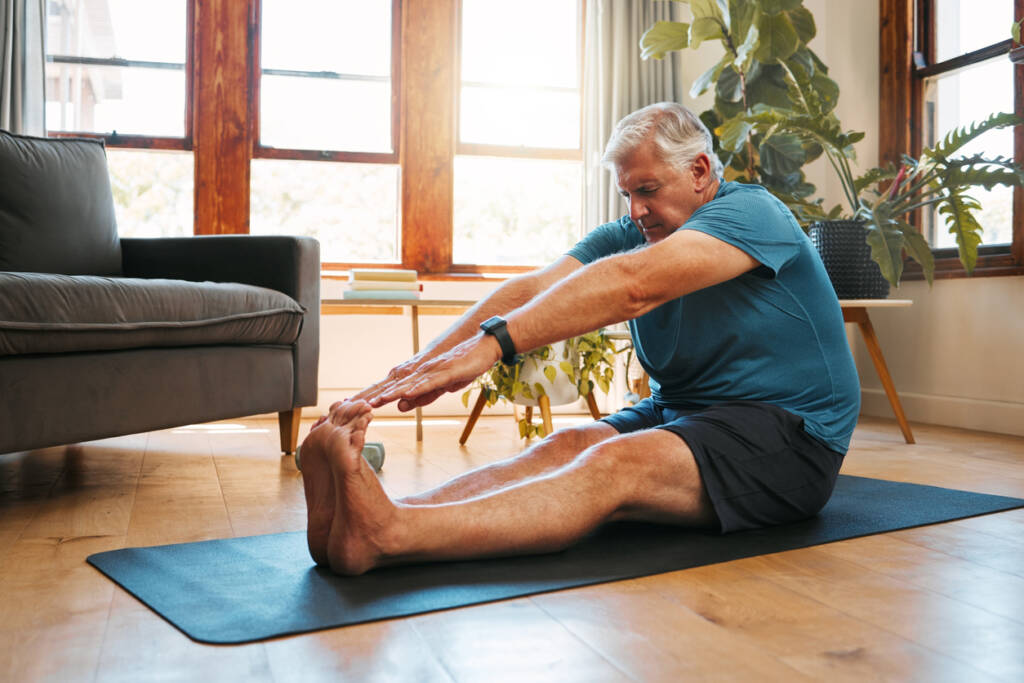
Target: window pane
{"x":963,"y":26}
{"x":146,"y":97}
{"x":104,"y":99}
{"x":515,"y":211}
{"x":520,"y":116}
{"x":150,"y":31}
{"x":344,"y":36}
{"x":520,"y":76}
{"x":326,"y":82}
{"x":153,"y":192}
{"x":351,"y":208}
{"x":316,"y":113}
{"x":960,"y":99}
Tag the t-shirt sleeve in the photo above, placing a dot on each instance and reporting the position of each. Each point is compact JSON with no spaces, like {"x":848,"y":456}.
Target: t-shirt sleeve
{"x":604,"y":240}
{"x":755,"y":222}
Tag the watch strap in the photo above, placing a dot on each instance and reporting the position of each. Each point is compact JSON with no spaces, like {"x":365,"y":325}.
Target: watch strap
{"x":497,"y":327}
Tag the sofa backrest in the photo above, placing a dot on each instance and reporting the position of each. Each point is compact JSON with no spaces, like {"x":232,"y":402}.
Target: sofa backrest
{"x":56,"y":207}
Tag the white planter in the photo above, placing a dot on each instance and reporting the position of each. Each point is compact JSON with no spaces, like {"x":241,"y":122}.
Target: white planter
{"x":561,"y":391}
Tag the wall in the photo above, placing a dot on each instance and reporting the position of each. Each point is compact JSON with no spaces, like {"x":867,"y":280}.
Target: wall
{"x":952,"y":354}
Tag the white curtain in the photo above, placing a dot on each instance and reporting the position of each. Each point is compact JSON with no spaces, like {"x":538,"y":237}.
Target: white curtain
{"x":23,"y":66}
{"x":616,"y":81}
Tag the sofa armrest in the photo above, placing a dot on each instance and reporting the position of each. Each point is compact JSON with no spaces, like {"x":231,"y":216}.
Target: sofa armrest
{"x":287,"y":264}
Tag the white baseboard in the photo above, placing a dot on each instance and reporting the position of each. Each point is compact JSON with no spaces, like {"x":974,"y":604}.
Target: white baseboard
{"x":952,"y":411}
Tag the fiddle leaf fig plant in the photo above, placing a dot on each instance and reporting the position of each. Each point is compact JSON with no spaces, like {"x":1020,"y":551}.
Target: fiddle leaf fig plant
{"x":761,"y":40}
{"x":588,"y":361}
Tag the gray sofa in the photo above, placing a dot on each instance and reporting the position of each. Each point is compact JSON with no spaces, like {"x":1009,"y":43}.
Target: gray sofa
{"x":102,"y":336}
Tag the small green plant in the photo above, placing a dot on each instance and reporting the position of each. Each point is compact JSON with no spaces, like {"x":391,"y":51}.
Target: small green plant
{"x":588,"y":361}
{"x":1015,"y":28}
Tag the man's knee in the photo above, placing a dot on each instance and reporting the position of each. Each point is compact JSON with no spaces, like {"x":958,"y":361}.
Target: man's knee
{"x":652,"y":474}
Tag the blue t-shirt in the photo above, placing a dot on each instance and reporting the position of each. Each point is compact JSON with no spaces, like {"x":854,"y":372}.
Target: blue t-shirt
{"x":774,"y":334}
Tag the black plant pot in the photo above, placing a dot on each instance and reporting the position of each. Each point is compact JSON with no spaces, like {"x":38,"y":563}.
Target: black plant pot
{"x":847,"y":257}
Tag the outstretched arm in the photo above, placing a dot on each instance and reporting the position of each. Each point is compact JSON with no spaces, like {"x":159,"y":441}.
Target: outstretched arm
{"x":605,"y":292}
{"x":512,"y":294}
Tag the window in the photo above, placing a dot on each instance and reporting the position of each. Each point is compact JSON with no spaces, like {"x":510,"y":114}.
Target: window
{"x":326,"y":152}
{"x":451,"y":146}
{"x":518,"y":172}
{"x":119,"y":69}
{"x":944,"y":65}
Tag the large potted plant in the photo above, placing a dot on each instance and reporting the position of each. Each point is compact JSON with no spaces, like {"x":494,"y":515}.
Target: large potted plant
{"x":761,"y":40}
{"x":875,"y":221}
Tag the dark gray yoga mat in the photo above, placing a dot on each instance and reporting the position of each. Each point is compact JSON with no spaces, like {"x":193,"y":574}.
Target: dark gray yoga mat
{"x":238,"y":590}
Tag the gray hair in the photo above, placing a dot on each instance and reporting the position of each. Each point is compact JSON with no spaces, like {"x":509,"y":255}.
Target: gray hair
{"x":677,"y":134}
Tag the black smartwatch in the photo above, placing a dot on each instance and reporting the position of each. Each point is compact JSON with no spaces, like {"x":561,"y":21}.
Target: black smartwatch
{"x":497,"y":327}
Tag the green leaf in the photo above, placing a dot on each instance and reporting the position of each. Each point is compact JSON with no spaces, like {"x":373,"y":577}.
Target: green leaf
{"x":729,"y":86}
{"x":465,"y":399}
{"x":745,"y":52}
{"x":769,"y":87}
{"x":711,"y":9}
{"x":827,"y":90}
{"x":776,"y":6}
{"x":778,"y":38}
{"x":550,"y":373}
{"x":567,"y":368}
{"x":741,"y":14}
{"x":710,"y":76}
{"x":782,"y":154}
{"x":803,"y":22}
{"x":703,"y":29}
{"x":539,"y":389}
{"x":664,"y":36}
{"x":523,"y":429}
{"x":958,"y":211}
{"x":918,"y":249}
{"x":1015,"y":30}
{"x":732,"y":134}
{"x":958,"y":137}
{"x":886,"y":248}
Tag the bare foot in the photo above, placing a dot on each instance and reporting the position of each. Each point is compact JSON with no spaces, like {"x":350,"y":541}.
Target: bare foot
{"x":318,"y":482}
{"x":363,"y":527}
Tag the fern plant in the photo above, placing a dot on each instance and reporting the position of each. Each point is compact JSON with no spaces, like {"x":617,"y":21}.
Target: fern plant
{"x":587,"y":360}
{"x":881,"y":198}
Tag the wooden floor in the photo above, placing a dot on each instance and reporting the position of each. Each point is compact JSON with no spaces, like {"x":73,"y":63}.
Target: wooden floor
{"x":938,"y":603}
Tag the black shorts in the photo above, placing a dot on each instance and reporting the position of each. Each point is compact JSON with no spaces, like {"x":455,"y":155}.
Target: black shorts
{"x":758,"y":464}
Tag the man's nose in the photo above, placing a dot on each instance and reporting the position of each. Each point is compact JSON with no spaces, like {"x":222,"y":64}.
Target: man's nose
{"x":637,"y":209}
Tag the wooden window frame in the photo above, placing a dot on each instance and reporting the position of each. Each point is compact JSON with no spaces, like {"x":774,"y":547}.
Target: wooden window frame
{"x":906,"y":58}
{"x":118,"y":140}
{"x":222,"y":129}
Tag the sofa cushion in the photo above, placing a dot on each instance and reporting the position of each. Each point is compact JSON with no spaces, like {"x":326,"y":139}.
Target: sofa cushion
{"x":48,"y":313}
{"x":56,"y":208}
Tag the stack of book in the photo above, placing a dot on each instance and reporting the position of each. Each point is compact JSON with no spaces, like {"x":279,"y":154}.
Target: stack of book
{"x":388,"y":283}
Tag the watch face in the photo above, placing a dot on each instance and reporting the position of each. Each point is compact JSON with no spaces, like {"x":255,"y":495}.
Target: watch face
{"x":492,"y":323}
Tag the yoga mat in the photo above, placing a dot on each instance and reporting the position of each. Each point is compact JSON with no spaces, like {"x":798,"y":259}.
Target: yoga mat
{"x":238,"y":590}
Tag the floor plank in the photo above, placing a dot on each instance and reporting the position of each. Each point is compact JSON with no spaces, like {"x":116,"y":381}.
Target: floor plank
{"x":935,"y":603}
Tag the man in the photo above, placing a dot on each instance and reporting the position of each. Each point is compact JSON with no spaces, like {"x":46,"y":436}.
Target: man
{"x":754,"y":392}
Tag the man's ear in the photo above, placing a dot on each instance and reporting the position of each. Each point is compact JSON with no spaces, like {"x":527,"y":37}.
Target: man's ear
{"x":700,"y":167}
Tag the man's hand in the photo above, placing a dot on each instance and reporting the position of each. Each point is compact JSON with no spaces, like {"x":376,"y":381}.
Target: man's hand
{"x":448,"y":372}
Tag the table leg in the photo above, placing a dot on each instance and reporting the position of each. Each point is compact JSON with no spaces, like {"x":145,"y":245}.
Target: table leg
{"x":867,"y":330}
{"x":415,"y":350}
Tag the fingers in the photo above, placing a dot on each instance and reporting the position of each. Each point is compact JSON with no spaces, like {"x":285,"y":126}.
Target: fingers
{"x":406,"y":405}
{"x":346,"y":411}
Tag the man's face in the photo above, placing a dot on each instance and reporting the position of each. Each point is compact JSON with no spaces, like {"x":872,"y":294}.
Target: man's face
{"x":661,"y":198}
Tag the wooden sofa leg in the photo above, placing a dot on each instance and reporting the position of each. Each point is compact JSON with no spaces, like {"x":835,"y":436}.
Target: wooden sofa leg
{"x":288,"y":422}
